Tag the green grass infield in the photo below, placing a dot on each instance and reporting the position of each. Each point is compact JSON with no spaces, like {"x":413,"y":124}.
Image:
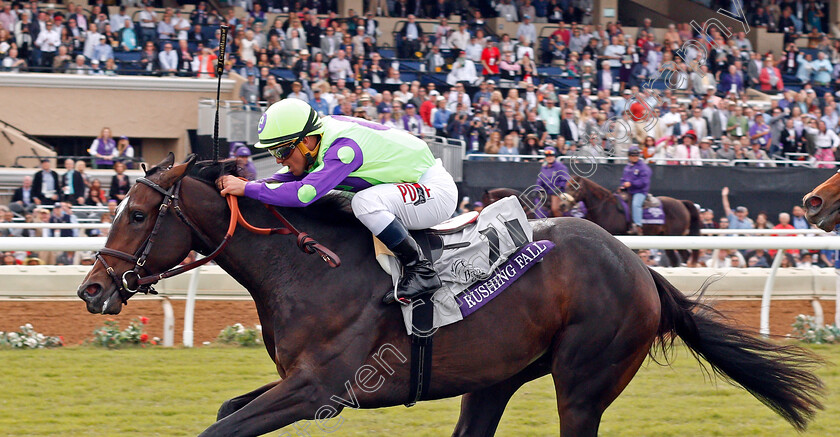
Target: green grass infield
{"x":82,"y":391}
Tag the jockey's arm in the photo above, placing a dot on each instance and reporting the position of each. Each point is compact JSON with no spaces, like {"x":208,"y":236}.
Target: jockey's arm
{"x":343,"y":157}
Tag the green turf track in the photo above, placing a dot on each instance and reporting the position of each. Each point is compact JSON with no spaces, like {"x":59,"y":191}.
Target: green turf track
{"x":91,"y":392}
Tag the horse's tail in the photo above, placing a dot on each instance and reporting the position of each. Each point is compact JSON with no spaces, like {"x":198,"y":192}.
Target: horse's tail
{"x":693,"y":229}
{"x":780,"y":376}
{"x":694,"y":224}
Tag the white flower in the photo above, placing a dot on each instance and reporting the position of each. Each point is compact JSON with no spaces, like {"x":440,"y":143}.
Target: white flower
{"x":206,"y":343}
{"x":259,"y":327}
{"x":32,"y":343}
{"x":13,"y":336}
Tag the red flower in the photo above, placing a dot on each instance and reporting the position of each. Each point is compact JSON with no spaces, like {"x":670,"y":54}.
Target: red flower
{"x":61,"y":339}
{"x":144,"y":320}
{"x":144,"y":338}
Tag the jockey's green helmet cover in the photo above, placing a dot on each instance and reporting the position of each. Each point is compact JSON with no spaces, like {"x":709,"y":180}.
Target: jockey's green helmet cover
{"x":289,"y":120}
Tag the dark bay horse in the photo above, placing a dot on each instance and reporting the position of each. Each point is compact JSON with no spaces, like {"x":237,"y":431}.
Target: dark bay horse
{"x":588,"y":314}
{"x":603,"y":208}
{"x":822,"y":205}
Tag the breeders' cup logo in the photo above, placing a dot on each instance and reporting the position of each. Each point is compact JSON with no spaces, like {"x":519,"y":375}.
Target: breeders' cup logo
{"x":465,"y":272}
{"x":261,"y":126}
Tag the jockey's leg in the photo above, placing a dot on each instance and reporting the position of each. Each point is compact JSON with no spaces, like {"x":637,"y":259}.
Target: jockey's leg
{"x":390,"y":210}
{"x":638,"y":201}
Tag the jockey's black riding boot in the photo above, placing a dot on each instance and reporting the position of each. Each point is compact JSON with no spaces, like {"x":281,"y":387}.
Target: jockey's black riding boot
{"x":418,"y":275}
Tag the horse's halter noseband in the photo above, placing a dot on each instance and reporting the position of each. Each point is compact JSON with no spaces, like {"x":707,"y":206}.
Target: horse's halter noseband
{"x":132,"y":283}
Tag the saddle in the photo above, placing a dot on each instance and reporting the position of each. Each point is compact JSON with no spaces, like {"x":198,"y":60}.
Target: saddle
{"x":652,"y":212}
{"x":464,"y":250}
{"x":477,"y":256}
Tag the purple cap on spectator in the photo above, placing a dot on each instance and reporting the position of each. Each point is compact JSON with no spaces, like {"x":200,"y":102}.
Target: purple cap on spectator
{"x":386,"y":109}
{"x":410,"y":105}
{"x":124,"y":137}
{"x":478,"y":204}
{"x":550,"y":150}
{"x":243,"y":151}
{"x":634,"y":151}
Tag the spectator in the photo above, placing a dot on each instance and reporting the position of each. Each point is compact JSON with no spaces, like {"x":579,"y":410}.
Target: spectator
{"x":62,"y":60}
{"x":272,"y":92}
{"x":149,"y":57}
{"x":339,"y":67}
{"x":63,"y":213}
{"x":47,"y":42}
{"x":95,"y":196}
{"x":165,"y":31}
{"x":243,"y":162}
{"x":102,"y":148}
{"x":297,"y":92}
{"x":24,"y":198}
{"x":206,"y":64}
{"x":526,"y":29}
{"x":738,"y":218}
{"x":770,"y":78}
{"x":148,"y":20}
{"x":410,"y":37}
{"x":249,"y":93}
{"x":102,"y":51}
{"x":826,"y":142}
{"x":168,"y":60}
{"x":45,"y":184}
{"x":490,"y":57}
{"x":120,"y":184}
{"x":412,"y":122}
{"x":72,"y":184}
{"x":12,"y":63}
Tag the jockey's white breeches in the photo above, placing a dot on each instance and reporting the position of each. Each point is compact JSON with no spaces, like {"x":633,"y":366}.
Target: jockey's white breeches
{"x":418,"y":205}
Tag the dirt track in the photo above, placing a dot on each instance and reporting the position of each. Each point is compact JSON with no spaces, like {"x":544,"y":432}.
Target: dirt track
{"x":70,"y":319}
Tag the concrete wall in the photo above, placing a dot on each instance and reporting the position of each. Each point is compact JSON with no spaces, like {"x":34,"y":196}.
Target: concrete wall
{"x":158,"y":111}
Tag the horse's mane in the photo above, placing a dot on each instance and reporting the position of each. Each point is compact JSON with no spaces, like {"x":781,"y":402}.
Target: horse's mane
{"x":597,"y":190}
{"x":332,"y":208}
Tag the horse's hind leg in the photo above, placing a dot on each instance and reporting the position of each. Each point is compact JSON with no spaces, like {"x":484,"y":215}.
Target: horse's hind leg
{"x":591,"y":366}
{"x":232,"y":405}
{"x":482,"y":409}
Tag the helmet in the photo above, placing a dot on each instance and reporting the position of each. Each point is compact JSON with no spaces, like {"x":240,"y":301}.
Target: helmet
{"x":288,"y":122}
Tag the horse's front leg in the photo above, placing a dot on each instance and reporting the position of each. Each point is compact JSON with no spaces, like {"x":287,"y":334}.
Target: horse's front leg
{"x":300,"y":396}
{"x":232,"y":405}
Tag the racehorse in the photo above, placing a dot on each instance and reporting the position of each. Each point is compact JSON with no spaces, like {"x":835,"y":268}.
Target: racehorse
{"x":547,"y":206}
{"x":588,"y":314}
{"x":604,"y":208}
{"x":494,"y":195}
{"x":822,"y":205}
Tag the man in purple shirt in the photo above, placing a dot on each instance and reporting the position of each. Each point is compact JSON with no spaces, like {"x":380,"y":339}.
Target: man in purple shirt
{"x":636,"y":180}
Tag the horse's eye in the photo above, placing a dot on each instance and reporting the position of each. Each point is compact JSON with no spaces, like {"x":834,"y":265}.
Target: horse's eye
{"x":138,"y":216}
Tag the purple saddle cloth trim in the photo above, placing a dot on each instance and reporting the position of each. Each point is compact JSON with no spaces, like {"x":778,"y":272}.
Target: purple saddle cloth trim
{"x":503,"y":276}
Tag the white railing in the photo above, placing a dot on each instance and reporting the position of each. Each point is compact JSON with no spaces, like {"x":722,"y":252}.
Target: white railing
{"x":583,"y":156}
{"x":763,"y":232}
{"x":633,"y":242}
{"x":19,"y":225}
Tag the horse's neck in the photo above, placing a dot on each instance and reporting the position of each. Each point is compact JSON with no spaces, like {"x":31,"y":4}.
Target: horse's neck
{"x":601,"y":205}
{"x":278,"y":275}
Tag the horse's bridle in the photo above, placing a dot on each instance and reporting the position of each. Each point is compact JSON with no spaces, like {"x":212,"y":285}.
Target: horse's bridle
{"x":132,"y":283}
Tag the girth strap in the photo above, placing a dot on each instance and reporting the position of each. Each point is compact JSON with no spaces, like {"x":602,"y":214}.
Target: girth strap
{"x":422,"y":318}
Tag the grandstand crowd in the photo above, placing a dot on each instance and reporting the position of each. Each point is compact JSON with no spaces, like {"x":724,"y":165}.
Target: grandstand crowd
{"x":506,"y":96}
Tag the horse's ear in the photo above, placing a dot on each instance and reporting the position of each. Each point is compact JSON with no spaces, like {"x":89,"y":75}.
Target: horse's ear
{"x":163,"y":165}
{"x":176,"y":173}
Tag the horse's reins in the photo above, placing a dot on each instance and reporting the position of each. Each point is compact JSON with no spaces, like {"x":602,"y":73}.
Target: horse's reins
{"x":131,"y":281}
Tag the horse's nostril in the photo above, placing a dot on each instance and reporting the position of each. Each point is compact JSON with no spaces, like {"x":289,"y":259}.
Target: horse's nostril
{"x":93,"y":289}
{"x":814,"y":202}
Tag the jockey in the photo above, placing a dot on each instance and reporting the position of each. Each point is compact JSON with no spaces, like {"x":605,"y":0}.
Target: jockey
{"x":636,"y":180}
{"x":398,"y":183}
{"x":552,"y":179}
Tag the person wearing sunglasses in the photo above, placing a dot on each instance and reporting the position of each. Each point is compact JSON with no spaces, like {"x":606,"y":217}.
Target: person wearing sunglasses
{"x":399,"y":185}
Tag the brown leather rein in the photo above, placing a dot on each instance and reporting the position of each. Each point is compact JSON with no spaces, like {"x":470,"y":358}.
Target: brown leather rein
{"x":131,"y":281}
